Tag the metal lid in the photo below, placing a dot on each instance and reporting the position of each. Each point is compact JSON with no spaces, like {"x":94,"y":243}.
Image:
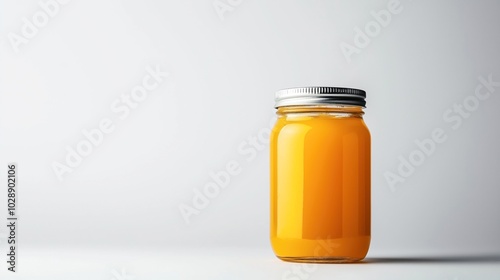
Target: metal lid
{"x":319,"y":96}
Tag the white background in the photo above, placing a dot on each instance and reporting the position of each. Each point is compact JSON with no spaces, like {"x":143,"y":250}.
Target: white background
{"x":119,"y":207}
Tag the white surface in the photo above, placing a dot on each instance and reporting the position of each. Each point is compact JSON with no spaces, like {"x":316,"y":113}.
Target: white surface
{"x":238,"y":263}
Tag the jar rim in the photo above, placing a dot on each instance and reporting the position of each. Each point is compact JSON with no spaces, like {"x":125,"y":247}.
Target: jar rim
{"x":303,"y":96}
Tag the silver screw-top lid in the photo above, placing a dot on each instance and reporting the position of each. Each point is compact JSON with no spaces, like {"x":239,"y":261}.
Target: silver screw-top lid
{"x":304,"y":96}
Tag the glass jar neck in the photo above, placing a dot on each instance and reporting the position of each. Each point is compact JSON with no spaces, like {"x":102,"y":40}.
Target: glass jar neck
{"x":332,"y":110}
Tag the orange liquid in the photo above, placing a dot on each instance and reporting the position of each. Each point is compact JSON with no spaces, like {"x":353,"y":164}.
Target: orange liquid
{"x":320,"y":186}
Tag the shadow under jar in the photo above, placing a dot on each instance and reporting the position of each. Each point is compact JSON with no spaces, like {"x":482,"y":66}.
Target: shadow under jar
{"x":320,"y":176}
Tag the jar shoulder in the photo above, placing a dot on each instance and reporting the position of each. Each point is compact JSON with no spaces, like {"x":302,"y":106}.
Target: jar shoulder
{"x":323,"y":126}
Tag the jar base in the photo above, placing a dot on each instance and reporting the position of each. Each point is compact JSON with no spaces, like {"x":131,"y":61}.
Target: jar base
{"x":320,"y":259}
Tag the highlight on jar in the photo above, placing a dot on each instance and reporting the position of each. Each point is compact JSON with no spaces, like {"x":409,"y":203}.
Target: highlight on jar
{"x":320,"y":164}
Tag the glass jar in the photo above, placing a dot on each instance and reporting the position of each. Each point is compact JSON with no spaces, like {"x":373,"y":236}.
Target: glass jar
{"x":320,"y":176}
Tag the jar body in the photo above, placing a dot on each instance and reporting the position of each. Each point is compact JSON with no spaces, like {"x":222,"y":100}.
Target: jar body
{"x":320,"y":184}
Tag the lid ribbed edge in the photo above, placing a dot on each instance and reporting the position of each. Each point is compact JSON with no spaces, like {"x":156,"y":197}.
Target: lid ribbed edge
{"x":320,"y":96}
